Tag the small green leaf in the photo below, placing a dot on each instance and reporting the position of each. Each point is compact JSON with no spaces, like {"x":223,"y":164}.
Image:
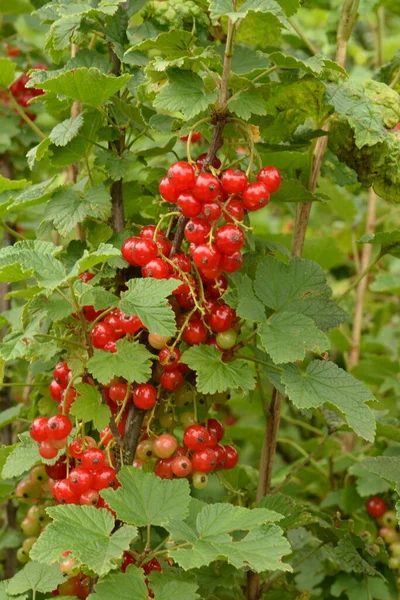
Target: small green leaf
{"x":314,"y":65}
{"x":291,"y":190}
{"x":247,"y":103}
{"x":90,"y":259}
{"x":387,"y":467}
{"x":10,"y":414}
{"x":67,"y":208}
{"x":98,"y":297}
{"x":12,"y":184}
{"x":21,"y":458}
{"x":388,"y":240}
{"x":65,"y":131}
{"x":325,"y":383}
{"x":86,"y":532}
{"x":35,"y":257}
{"x":4,"y":595}
{"x":288,"y":336}
{"x":145,"y":499}
{"x":37,"y":577}
{"x":131,"y":361}
{"x":89,"y":407}
{"x":124,"y":586}
{"x":243,"y":299}
{"x":147,"y":299}
{"x":213,"y":375}
{"x":171,"y":584}
{"x":185,"y":94}
{"x":115,"y":166}
{"x":7,"y":73}
{"x":224,"y":8}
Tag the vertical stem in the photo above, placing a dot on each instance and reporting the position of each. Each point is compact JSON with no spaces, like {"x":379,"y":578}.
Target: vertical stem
{"x":269,"y":445}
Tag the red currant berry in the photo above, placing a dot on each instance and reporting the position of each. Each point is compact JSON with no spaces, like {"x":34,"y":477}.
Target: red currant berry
{"x":147,"y":233}
{"x":145,"y":396}
{"x":105,"y":478}
{"x":196,"y":438}
{"x":231,"y":458}
{"x":168,"y":191}
{"x":80,"y":480}
{"x":171,"y":380}
{"x":216,"y":428}
{"x":234,"y":210}
{"x":221,"y":318}
{"x":196,"y":136}
{"x":38,"y":429}
{"x":217,"y":288}
{"x":189,"y":205}
{"x":197,"y":230}
{"x":118,"y":392}
{"x":144,"y":251}
{"x":207,"y":187}
{"x":59,"y":427}
{"x":86,"y":277}
{"x":93,"y":459}
{"x":56,"y":390}
{"x":376,"y":507}
{"x":61,"y":373}
{"x":102,"y":333}
{"x":110,"y":347}
{"x":255,"y":196}
{"x":156,"y":268}
{"x":152,"y":565}
{"x":59,"y":469}
{"x":47,"y":450}
{"x":181,"y":175}
{"x":181,"y":466}
{"x":63,"y":493}
{"x":206,"y":256}
{"x":165,"y":445}
{"x":229,"y":239}
{"x":89,"y":498}
{"x":231,"y":262}
{"x":114,"y":320}
{"x":185,"y":300}
{"x":195,"y":332}
{"x":182,"y":261}
{"x":130,"y":323}
{"x":169,"y":358}
{"x":211,"y":211}
{"x":163,"y":468}
{"x":200,"y":162}
{"x":127,"y":249}
{"x":78,"y":446}
{"x":220,"y":453}
{"x":271,"y":178}
{"x":204,"y":461}
{"x":234,"y":181}
{"x":209,"y":275}
{"x":128,"y":559}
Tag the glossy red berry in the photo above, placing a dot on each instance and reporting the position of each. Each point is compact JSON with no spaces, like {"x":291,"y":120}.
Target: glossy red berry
{"x":105,"y":478}
{"x":77,"y":447}
{"x":216,"y":428}
{"x":204,"y":460}
{"x":182,"y":261}
{"x":164,"y":445}
{"x":255,"y":196}
{"x":200,"y":161}
{"x":217,"y":288}
{"x":47,"y":450}
{"x":231,"y":262}
{"x":220,"y":454}
{"x":196,"y":136}
{"x":61,"y":373}
{"x":163,"y":468}
{"x":233,"y":181}
{"x":86,"y":277}
{"x":147,"y":233}
{"x":196,"y":437}
{"x":206,"y":256}
{"x":169,"y":358}
{"x":89,"y":498}
{"x":59,"y":469}
{"x":229,"y":239}
{"x":181,"y":466}
{"x":118,"y":392}
{"x":80,"y":480}
{"x":207,"y":187}
{"x":234,"y":210}
{"x":93,"y":459}
{"x":110,"y":347}
{"x":171,"y":380}
{"x":102,"y":333}
{"x":376,"y":507}
{"x":114,"y":320}
{"x":209,"y":275}
{"x":231,"y":457}
{"x":181,"y":175}
{"x":211,"y":211}
{"x":128,"y":559}
{"x":197,"y":230}
{"x":221,"y":318}
{"x":144,"y":251}
{"x":189,"y":204}
{"x":63,"y":493}
{"x":156,"y":268}
{"x":130,"y":323}
{"x":168,"y":191}
{"x":195,"y":332}
{"x":271,"y":178}
{"x":38,"y":429}
{"x":144,"y":396}
{"x":59,"y":427}
{"x":56,"y":390}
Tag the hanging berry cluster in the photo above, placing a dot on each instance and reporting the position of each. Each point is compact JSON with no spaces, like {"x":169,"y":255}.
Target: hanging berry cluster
{"x":23,"y":94}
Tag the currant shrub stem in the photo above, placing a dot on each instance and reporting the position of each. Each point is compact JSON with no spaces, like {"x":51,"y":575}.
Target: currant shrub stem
{"x":12,"y":231}
{"x":62,"y":340}
{"x":313,"y":49}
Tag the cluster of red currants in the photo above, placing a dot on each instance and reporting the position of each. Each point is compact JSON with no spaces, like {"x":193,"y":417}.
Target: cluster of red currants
{"x":151,"y":565}
{"x":51,"y":434}
{"x":23,"y":94}
{"x":59,"y":388}
{"x":200,"y":454}
{"x":389,"y":529}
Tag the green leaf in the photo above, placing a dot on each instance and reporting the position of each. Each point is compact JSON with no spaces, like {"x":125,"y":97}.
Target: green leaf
{"x":33,"y":195}
{"x":61,"y":32}
{"x":210,"y":538}
{"x":243,"y":299}
{"x":65,"y":131}
{"x":388,"y":240}
{"x":386,"y":282}
{"x":350,"y":560}
{"x":367,"y":483}
{"x":98,"y":297}
{"x":131,"y":361}
{"x":171,"y":584}
{"x":247,"y":103}
{"x":89,"y":86}
{"x":314,"y":65}
{"x":7,"y":73}
{"x":224,"y":8}
{"x":21,"y":458}
{"x":288,"y":336}
{"x":35,"y":257}
{"x":213,"y":375}
{"x":67,"y":207}
{"x":124,"y":586}
{"x":10,"y":414}
{"x":145,"y":499}
{"x":360,"y":589}
{"x":147,"y":299}
{"x":89,"y":407}
{"x":37,"y":577}
{"x":86,"y":532}
{"x":37,"y":153}
{"x":15,"y":7}
{"x":291,"y":190}
{"x":115,"y":167}
{"x":185,"y":94}
{"x":11,"y":184}
{"x":4,"y":595}
{"x":299,"y":287}
{"x":174,"y":44}
{"x":90,"y":259}
{"x":387,"y":467}
{"x":325,"y":383}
